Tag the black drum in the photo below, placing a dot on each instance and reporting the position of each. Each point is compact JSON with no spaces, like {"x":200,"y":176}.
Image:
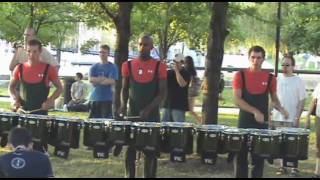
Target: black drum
{"x":66,"y":131}
{"x":39,"y":126}
{"x":95,"y":131}
{"x":119,"y":132}
{"x":265,"y":143}
{"x":209,"y":137}
{"x":8,"y":120}
{"x":146,"y":136}
{"x":233,"y":139}
{"x":295,"y":143}
{"x":178,"y":136}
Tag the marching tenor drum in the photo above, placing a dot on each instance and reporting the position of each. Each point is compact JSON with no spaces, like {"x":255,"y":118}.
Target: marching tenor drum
{"x":265,"y":143}
{"x":146,"y":136}
{"x":233,"y":139}
{"x":178,"y":139}
{"x":119,"y":132}
{"x":295,"y":142}
{"x":208,"y":142}
{"x":39,"y":126}
{"x":95,"y":136}
{"x":8,"y":120}
{"x":65,"y":134}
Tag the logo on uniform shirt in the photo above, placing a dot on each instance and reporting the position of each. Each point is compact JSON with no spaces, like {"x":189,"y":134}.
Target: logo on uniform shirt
{"x":150,"y":71}
{"x":140,"y":72}
{"x":264,"y":83}
{"x":40,"y":75}
{"x":18,"y":163}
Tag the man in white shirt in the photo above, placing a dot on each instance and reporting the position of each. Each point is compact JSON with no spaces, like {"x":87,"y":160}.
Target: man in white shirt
{"x":292,"y":95}
{"x":21,"y":56}
{"x":78,"y":95}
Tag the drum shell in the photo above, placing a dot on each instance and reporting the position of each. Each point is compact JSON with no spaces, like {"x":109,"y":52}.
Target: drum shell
{"x":119,"y":134}
{"x":8,"y":121}
{"x":208,"y":141}
{"x":146,"y":138}
{"x":39,"y":127}
{"x":295,"y":146}
{"x":231,"y":142}
{"x":179,"y":139}
{"x":267,"y":146}
{"x":94,"y":132}
{"x":64,"y":132}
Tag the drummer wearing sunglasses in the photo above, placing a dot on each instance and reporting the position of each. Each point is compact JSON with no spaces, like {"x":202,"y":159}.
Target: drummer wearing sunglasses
{"x":293,"y":102}
{"x":252,"y":87}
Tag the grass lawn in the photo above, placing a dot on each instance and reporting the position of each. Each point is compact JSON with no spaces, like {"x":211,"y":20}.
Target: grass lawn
{"x":81,"y":163}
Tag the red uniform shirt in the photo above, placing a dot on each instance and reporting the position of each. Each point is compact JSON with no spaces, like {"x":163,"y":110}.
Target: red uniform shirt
{"x":144,"y":71}
{"x":35,"y":74}
{"x":256,"y":82}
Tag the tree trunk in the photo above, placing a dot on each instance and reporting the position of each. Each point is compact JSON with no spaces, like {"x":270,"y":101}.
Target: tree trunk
{"x":215,"y":51}
{"x":123,"y":28}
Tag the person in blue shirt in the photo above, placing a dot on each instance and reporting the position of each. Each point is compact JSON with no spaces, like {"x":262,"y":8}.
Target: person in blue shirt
{"x":23,"y":162}
{"x":102,"y":76}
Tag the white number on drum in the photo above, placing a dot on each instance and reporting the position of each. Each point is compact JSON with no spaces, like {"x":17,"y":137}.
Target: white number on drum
{"x":96,"y":127}
{"x":265,"y":139}
{"x":32,"y":122}
{"x":291,"y":138}
{"x":117,"y":129}
{"x":235,"y":138}
{"x":212,"y":135}
{"x":60,"y":124}
{"x":174,"y":131}
{"x":144,"y":130}
{"x":4,"y":119}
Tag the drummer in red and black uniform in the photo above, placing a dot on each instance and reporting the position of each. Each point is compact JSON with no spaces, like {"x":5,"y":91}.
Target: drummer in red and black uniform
{"x":252,"y":87}
{"x":144,"y":84}
{"x":34,"y":77}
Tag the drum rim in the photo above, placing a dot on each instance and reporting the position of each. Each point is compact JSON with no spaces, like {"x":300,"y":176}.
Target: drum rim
{"x":206,"y":127}
{"x":121,"y":122}
{"x":146,"y":124}
{"x":241,"y":131}
{"x":178,"y":124}
{"x":273,"y":132}
{"x":294,"y":131}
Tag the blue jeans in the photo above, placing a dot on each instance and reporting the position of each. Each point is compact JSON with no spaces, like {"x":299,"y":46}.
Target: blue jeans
{"x":173,"y":115}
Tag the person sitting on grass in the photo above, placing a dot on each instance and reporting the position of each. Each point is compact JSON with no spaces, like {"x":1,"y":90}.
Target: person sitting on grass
{"x":23,"y":162}
{"x":78,"y":95}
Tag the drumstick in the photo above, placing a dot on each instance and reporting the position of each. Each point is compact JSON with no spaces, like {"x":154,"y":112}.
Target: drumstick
{"x":132,"y":117}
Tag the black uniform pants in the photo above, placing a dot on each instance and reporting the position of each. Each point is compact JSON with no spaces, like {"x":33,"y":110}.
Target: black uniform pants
{"x":241,"y":165}
{"x":150,"y":163}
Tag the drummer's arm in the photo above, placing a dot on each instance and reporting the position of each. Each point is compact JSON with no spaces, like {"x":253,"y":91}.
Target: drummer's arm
{"x":13,"y":93}
{"x":125,"y":91}
{"x":57,"y":92}
{"x":277,"y":104}
{"x":299,"y":111}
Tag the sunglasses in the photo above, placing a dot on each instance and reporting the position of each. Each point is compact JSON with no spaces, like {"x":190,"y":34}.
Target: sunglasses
{"x":286,"y":65}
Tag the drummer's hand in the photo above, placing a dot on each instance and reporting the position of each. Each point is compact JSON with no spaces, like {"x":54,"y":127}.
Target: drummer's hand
{"x":259,"y":117}
{"x":144,"y":114}
{"x":285,"y":113}
{"x":122,"y":110}
{"x":16,"y":105}
{"x":47,"y":104}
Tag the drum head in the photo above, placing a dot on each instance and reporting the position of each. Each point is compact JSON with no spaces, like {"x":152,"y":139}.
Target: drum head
{"x":147,"y":124}
{"x":212,"y":127}
{"x":99,"y":120}
{"x":266,"y":132}
{"x":124,"y":123}
{"x":238,"y":131}
{"x":179,"y":124}
{"x":290,"y":130}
